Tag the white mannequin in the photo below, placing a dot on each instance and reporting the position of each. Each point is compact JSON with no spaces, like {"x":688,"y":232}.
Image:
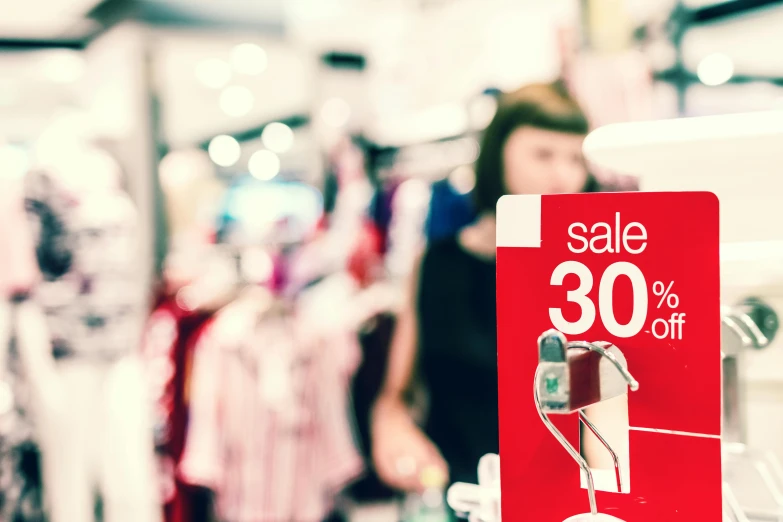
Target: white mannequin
{"x":91,"y":413}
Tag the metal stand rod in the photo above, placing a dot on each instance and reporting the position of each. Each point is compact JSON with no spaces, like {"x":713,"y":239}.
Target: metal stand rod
{"x":632,"y":383}
{"x":570,"y":449}
{"x":593,"y":428}
{"x":733,"y":505}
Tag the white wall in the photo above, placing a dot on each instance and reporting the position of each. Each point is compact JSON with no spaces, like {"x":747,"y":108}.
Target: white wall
{"x":424,"y":63}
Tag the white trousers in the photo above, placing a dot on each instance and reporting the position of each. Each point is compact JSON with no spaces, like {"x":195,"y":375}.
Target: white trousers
{"x":93,"y":424}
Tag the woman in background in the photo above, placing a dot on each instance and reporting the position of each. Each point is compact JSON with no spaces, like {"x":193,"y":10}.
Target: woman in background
{"x":446,"y":335}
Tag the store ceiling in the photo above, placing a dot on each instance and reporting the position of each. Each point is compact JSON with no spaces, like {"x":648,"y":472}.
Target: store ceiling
{"x":72,"y":22}
{"x":34,"y":85}
{"x":282,"y":89}
{"x":52,"y":20}
{"x":267,"y":16}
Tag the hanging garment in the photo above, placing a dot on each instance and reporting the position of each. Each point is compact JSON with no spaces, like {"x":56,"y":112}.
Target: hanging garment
{"x":405,"y":229}
{"x":612,"y":87}
{"x":168,"y":346}
{"x":21,"y":493}
{"x":449,"y":211}
{"x":96,"y":439}
{"x":375,"y":341}
{"x":92,"y":414}
{"x":86,"y":249}
{"x":365,"y":262}
{"x":381,"y":210}
{"x":17,"y":264}
{"x":269,"y":430}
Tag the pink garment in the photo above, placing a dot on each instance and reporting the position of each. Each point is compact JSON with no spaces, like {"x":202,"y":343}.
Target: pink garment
{"x":18,"y":266}
{"x":612,"y":88}
{"x":269,"y":429}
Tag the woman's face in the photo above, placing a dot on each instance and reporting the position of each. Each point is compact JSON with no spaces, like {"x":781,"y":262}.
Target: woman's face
{"x":538,"y":161}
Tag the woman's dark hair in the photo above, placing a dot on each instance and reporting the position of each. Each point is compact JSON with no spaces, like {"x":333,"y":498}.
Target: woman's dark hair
{"x":543,"y":106}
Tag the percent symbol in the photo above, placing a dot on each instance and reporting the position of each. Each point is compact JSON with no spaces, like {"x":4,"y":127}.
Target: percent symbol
{"x":672,"y":327}
{"x":664,"y":292}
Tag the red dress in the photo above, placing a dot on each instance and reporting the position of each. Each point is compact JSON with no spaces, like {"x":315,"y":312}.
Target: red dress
{"x":170,"y":338}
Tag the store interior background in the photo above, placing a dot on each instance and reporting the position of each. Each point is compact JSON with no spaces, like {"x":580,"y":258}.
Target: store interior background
{"x":243,"y":109}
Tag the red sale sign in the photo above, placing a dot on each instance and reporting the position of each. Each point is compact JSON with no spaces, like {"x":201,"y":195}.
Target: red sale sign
{"x":639,"y":271}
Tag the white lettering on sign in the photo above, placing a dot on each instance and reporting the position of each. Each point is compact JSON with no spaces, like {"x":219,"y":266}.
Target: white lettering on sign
{"x":603,"y":238}
{"x":606,"y":310}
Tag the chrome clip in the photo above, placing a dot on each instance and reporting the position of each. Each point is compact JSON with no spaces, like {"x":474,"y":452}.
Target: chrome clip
{"x":570,"y":377}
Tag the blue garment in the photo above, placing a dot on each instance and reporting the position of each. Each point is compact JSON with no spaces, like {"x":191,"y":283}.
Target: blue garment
{"x":449,"y":211}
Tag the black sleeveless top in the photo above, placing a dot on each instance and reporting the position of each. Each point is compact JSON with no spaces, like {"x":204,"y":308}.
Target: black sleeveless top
{"x":458,"y":354}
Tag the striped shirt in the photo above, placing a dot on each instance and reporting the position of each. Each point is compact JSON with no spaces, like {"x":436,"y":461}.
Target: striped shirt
{"x":269,"y":429}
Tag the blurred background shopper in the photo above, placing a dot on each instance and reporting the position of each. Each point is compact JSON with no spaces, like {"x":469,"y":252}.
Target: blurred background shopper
{"x":446,"y":338}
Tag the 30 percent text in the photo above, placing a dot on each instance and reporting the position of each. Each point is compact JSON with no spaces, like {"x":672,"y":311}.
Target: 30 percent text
{"x":670,"y":327}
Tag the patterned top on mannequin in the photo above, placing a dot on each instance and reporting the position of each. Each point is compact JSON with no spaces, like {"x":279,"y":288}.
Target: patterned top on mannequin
{"x":85,"y":234}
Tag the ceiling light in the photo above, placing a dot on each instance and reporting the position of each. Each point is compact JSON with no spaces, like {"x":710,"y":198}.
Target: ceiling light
{"x":336,"y":112}
{"x":278,"y":137}
{"x":248,"y":58}
{"x":715,"y":69}
{"x":213,"y":73}
{"x":63,"y":66}
{"x":236,"y":101}
{"x":264,"y":165}
{"x":13,"y":161}
{"x":224,"y":150}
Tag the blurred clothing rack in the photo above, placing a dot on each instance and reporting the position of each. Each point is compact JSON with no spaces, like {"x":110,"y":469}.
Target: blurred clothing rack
{"x":681,"y":20}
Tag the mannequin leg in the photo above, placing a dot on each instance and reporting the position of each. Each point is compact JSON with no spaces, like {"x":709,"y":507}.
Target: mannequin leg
{"x":67,"y":431}
{"x":128,"y":481}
